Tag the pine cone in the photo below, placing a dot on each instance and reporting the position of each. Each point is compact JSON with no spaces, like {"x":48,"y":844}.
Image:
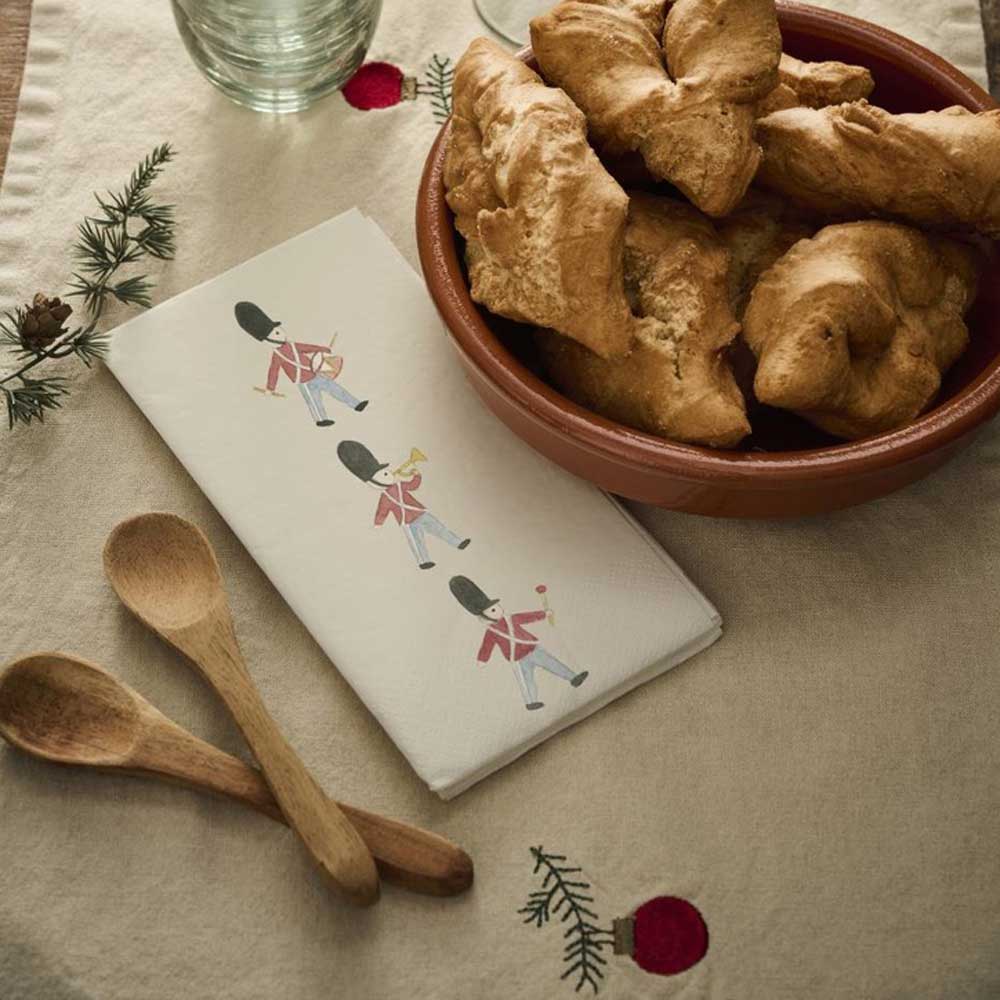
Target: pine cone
{"x":43,"y":322}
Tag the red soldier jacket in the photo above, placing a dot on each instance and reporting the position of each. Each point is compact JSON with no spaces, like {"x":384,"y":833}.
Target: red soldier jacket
{"x":499,"y":635}
{"x":399,"y":501}
{"x":295,"y":360}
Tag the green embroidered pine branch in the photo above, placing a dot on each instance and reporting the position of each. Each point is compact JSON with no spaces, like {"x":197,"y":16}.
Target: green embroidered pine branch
{"x":32,"y":397}
{"x":567,"y":898}
{"x":438,"y":78}
{"x":28,"y":398}
{"x":130,"y":226}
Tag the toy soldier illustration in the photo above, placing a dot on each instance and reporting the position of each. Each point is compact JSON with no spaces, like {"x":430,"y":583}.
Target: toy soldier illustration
{"x":516,"y":644}
{"x":397,"y":500}
{"x":312,"y":367}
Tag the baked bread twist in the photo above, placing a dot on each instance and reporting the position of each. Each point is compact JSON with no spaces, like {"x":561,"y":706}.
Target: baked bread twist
{"x":694,"y":130}
{"x":543,"y":221}
{"x":854,"y":328}
{"x":677,"y":381}
{"x":762,"y":228}
{"x":816,"y":85}
{"x":937,"y":169}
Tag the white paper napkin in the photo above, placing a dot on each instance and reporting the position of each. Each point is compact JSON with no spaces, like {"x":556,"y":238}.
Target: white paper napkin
{"x":479,"y":599}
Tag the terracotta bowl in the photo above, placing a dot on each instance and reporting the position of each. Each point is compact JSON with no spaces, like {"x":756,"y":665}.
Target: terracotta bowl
{"x":786,"y":468}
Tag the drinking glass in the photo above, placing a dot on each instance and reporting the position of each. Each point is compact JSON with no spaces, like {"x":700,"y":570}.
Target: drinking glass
{"x":277,"y":55}
{"x":510,"y":17}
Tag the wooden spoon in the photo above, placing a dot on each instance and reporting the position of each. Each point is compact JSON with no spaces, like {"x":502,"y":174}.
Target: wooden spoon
{"x":165,"y":572}
{"x":63,"y":709}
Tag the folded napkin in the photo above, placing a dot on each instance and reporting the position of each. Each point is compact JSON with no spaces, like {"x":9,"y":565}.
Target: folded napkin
{"x":477,"y":598}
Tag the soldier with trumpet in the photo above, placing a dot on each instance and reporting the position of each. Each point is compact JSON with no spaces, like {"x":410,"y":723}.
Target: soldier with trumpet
{"x":396,"y":488}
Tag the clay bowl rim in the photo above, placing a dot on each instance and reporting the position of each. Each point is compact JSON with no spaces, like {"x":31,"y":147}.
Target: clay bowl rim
{"x":971,"y":406}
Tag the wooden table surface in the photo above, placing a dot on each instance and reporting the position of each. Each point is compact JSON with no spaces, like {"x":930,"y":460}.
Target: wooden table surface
{"x":16,"y":14}
{"x":14,"y":18}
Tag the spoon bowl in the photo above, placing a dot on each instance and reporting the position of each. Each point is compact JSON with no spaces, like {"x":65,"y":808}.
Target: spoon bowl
{"x":68,"y":711}
{"x":164,"y":565}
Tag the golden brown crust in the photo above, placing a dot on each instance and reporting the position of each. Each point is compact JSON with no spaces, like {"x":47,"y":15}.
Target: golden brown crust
{"x":853,"y":328}
{"x":606,"y":56}
{"x":817,"y":84}
{"x":936,"y":169}
{"x":676,"y":383}
{"x":733,"y":46}
{"x":544,"y":222}
{"x":695,"y":132}
{"x":761,"y":229}
{"x":779,"y":99}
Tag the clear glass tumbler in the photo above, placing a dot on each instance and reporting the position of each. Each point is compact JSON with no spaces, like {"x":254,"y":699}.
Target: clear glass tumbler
{"x":510,"y":18}
{"x":277,"y":55}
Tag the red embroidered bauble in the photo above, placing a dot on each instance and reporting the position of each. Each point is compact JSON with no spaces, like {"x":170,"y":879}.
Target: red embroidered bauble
{"x":378,"y":85}
{"x":665,"y":935}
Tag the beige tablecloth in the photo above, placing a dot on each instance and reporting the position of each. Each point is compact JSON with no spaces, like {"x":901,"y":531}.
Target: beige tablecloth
{"x":823,"y":783}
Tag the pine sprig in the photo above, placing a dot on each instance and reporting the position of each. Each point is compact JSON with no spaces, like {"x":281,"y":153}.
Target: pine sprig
{"x":30,"y":399}
{"x":84,"y":341}
{"x":10,"y":330}
{"x":567,"y":897}
{"x":87,"y":344}
{"x":438,"y":79}
{"x":130,"y":226}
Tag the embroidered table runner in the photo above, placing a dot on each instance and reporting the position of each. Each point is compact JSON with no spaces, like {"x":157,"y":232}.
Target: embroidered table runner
{"x":821,"y":783}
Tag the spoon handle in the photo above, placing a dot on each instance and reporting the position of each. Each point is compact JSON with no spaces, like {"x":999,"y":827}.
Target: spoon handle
{"x":406,"y":855}
{"x":328,"y":836}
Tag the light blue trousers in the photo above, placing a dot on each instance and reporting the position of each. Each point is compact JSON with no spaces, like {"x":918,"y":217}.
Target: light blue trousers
{"x":312,"y":392}
{"x":427,"y":523}
{"x":524,"y":671}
